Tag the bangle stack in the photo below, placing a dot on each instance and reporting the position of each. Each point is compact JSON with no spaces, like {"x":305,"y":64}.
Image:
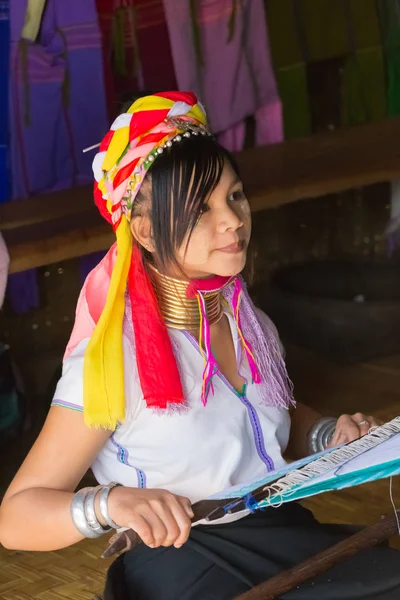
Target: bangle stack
{"x":83,"y":511}
{"x":320,"y":434}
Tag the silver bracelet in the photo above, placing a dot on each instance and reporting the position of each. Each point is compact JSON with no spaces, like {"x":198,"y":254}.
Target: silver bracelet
{"x":78,"y":514}
{"x":320,"y":434}
{"x":90,"y":512}
{"x":103,"y":504}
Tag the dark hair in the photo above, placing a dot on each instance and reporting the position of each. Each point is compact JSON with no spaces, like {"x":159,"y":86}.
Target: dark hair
{"x":181,"y":181}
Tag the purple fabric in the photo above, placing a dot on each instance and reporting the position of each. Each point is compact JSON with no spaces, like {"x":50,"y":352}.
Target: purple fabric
{"x":236,"y":79}
{"x":57,"y":97}
{"x":233,"y":138}
{"x":57,"y":106}
{"x":275,"y":388}
{"x":23,"y":291}
{"x":4,"y":78}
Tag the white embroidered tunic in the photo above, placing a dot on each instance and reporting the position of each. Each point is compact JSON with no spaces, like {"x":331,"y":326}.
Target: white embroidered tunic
{"x":195,"y":452}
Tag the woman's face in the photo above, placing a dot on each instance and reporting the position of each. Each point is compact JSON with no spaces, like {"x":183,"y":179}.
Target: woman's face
{"x":219,"y":242}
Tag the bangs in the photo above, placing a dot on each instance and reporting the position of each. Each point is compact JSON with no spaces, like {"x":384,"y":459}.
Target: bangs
{"x":183,"y":178}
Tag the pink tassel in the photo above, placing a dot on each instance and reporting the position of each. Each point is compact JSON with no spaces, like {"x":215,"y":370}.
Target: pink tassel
{"x":211,"y":365}
{"x":237,"y":295}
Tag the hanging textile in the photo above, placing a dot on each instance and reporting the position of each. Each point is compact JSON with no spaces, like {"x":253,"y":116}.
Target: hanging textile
{"x":361,"y":101}
{"x":220,"y":51}
{"x":324,"y":24}
{"x":4,"y":70}
{"x":57,"y":107}
{"x":137,"y":51}
{"x":33,"y":19}
{"x":137,"y":57}
{"x":389,"y":14}
{"x":4,"y":133}
{"x":57,"y":97}
{"x":289,"y":53}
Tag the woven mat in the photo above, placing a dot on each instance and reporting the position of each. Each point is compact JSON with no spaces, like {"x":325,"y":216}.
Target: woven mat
{"x":75,"y":573}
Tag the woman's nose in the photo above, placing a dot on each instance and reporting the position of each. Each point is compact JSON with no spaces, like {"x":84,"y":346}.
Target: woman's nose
{"x":230,"y":218}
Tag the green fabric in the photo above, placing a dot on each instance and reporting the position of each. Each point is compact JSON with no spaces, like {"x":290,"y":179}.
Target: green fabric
{"x":361,"y":101}
{"x":329,"y":32}
{"x":393,"y":78}
{"x":325,"y":28}
{"x":389,"y":13}
{"x":283,"y":38}
{"x":363,"y":79}
{"x":290,"y":69}
{"x":366,"y":27}
{"x":293,"y":91}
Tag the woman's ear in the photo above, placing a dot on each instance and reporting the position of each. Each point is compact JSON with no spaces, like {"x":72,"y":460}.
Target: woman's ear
{"x":141,"y":231}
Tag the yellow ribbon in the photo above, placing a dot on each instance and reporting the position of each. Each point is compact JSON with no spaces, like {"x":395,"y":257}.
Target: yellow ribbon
{"x":103,"y":372}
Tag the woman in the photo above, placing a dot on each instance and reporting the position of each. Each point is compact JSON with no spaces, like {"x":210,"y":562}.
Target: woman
{"x":174,"y":386}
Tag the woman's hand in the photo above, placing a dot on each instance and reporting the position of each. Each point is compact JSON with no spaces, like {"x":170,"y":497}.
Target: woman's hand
{"x":352,"y":427}
{"x":157,"y":516}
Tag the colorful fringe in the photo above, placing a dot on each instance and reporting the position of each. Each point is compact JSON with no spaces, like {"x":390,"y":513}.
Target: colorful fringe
{"x":237,"y":295}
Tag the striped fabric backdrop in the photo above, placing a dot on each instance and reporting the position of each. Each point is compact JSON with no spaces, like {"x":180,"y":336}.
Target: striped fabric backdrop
{"x":4,"y":62}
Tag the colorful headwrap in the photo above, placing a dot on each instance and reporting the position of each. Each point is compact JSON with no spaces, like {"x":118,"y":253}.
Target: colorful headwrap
{"x":126,"y":153}
{"x":136,"y":139}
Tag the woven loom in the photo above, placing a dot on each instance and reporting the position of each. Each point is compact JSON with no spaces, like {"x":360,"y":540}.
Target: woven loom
{"x":375,"y":456}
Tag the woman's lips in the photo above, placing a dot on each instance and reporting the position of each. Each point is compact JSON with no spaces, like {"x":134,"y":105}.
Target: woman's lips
{"x":235,"y":248}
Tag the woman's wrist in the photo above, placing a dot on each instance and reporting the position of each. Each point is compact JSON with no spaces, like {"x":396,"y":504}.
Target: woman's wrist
{"x":89,"y":511}
{"x":103,"y":504}
{"x":320,"y":434}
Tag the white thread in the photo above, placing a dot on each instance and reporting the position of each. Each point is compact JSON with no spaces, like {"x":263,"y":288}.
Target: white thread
{"x":396,"y":514}
{"x":287,"y":484}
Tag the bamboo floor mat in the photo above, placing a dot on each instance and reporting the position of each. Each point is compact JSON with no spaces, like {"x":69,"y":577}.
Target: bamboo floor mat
{"x":75,"y":573}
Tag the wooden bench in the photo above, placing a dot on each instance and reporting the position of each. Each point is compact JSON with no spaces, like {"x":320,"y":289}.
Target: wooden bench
{"x":61,"y":225}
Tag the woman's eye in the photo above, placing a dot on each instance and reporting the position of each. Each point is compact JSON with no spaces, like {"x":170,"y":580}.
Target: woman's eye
{"x":237,"y":195}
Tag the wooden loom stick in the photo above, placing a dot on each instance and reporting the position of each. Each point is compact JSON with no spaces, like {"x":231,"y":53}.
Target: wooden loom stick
{"x":292,"y":578}
{"x":204,"y":509}
{"x":128,"y":539}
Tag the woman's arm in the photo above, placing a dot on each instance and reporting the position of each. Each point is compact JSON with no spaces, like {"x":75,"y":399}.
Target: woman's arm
{"x":348,"y":429}
{"x":35,"y":513}
{"x":303,"y":418}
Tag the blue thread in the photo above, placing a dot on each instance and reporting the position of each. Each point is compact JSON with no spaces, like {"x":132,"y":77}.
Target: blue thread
{"x":123,"y":457}
{"x":255,"y":423}
{"x":251,"y":503}
{"x":227,"y":507}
